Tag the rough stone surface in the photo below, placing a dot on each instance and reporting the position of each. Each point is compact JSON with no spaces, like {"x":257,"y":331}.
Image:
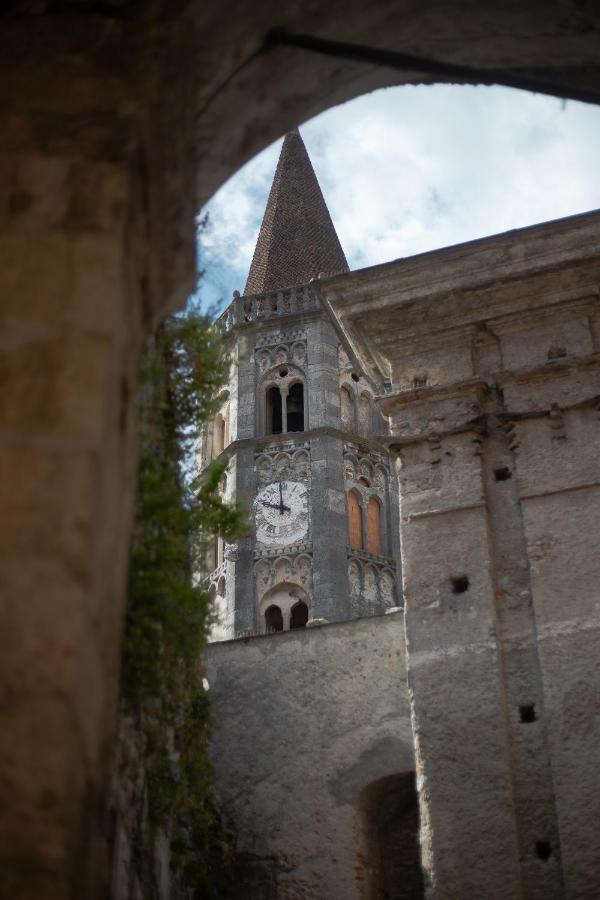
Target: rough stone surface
{"x":305,"y":722}
{"x":297,"y":240}
{"x":119,"y":120}
{"x":493,"y":354}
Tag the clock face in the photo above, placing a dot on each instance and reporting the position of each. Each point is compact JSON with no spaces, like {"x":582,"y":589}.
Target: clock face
{"x":281,"y":513}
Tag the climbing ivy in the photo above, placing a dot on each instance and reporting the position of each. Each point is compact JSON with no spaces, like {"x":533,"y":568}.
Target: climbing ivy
{"x":183,"y":369}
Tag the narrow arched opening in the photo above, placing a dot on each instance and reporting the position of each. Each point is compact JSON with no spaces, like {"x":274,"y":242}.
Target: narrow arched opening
{"x":274,"y":418}
{"x":355,"y":530}
{"x":295,"y":407}
{"x":299,"y":615}
{"x":389,"y":814}
{"x":374,"y":526}
{"x":273,"y":619}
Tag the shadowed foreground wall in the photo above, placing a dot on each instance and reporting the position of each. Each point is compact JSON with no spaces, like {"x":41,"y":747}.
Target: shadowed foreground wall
{"x":306,"y":720}
{"x":119,"y":120}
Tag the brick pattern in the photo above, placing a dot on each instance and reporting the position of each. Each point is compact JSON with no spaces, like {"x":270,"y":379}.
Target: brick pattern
{"x":297,"y":239}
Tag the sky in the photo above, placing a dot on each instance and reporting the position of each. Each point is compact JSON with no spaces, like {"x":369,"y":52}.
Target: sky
{"x":410,"y":169}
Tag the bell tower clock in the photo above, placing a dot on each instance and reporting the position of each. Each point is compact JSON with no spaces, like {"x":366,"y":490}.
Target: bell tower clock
{"x":302,"y":435}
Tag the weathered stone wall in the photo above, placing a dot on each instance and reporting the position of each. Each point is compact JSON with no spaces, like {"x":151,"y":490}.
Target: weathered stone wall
{"x":306,"y":720}
{"x":499,"y":492}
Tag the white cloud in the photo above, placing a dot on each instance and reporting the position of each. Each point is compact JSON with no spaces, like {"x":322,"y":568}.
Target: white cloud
{"x":411,"y":169}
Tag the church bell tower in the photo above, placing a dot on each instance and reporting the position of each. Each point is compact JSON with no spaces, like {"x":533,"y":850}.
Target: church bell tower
{"x":304,"y":440}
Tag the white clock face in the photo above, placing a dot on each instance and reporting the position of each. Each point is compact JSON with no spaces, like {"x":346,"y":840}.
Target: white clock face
{"x":281,"y":513}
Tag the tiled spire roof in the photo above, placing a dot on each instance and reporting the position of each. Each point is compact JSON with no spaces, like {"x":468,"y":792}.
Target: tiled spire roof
{"x":297,"y":240}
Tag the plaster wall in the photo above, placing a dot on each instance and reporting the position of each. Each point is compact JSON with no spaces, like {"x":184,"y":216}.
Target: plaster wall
{"x":305,"y":720}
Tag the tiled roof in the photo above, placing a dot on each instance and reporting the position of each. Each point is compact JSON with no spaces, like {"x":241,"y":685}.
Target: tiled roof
{"x":297,"y":240}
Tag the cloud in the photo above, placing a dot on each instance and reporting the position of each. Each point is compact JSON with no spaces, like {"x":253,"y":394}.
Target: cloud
{"x":410,"y":169}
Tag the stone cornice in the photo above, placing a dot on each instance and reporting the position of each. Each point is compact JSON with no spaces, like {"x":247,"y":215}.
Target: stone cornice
{"x":379,"y":308}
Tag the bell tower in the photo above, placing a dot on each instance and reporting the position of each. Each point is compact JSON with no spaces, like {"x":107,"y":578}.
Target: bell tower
{"x":305,"y":443}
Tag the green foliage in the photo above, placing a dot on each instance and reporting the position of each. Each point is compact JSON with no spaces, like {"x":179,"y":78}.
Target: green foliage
{"x":168,"y":614}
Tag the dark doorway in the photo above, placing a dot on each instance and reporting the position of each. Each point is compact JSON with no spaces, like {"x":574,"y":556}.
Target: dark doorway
{"x":295,"y":408}
{"x":299,"y":615}
{"x":273,"y":619}
{"x":274,"y":421}
{"x":390,"y":820}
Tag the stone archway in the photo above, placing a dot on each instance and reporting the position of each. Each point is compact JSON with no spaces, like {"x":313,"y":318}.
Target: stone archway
{"x":120,"y":120}
{"x":389,"y":815}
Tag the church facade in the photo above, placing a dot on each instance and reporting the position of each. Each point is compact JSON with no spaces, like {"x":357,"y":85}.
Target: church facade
{"x":411,"y":623}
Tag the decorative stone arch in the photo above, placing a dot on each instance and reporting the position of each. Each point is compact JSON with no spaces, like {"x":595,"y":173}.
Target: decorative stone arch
{"x":371,"y":589}
{"x":355,"y":520}
{"x":387,"y":589}
{"x":221,"y":586}
{"x":374,"y":512}
{"x":380,"y":481}
{"x":264,"y":468}
{"x":276,"y":387}
{"x":350,"y":465}
{"x":301,"y":463}
{"x":355,"y":583}
{"x":303,"y":569}
{"x":282,"y":465}
{"x":282,"y":569}
{"x":285,"y":595}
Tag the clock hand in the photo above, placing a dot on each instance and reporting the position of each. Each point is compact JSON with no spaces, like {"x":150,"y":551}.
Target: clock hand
{"x":280,"y":499}
{"x":272,"y":505}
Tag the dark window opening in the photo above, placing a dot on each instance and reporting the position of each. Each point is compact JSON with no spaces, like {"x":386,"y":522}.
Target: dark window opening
{"x":295,"y":408}
{"x":502,"y":474}
{"x":274,"y":417}
{"x":460,"y":584}
{"x":283,"y":373}
{"x":354,"y":377}
{"x":543,"y":850}
{"x":273,"y":619}
{"x":527,"y":713}
{"x":299,"y":615}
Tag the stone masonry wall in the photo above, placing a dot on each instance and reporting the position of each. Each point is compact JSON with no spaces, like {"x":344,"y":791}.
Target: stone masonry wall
{"x":305,"y":721}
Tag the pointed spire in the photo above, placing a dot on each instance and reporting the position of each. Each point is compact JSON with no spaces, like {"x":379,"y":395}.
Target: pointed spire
{"x":297,"y":240}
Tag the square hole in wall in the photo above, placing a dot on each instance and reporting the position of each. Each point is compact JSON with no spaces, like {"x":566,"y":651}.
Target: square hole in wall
{"x":502,"y":474}
{"x":543,"y":850}
{"x":527,"y":713}
{"x":460,"y":584}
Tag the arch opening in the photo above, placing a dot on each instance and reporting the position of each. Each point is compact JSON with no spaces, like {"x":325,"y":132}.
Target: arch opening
{"x":389,"y":815}
{"x":274,"y":417}
{"x":273,"y":619}
{"x":299,"y":615}
{"x":374,"y":544}
{"x":355,"y":530}
{"x":295,"y":407}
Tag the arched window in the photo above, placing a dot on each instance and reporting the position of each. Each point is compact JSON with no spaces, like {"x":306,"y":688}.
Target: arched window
{"x":355,"y":521}
{"x":347,"y":403}
{"x":295,"y":407}
{"x":218,"y":435}
{"x":299,"y":615}
{"x":273,"y":619}
{"x":374,"y":526}
{"x":223,"y":435}
{"x":273,"y":424}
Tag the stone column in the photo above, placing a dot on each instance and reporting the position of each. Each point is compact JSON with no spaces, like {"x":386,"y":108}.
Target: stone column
{"x":331,"y":598}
